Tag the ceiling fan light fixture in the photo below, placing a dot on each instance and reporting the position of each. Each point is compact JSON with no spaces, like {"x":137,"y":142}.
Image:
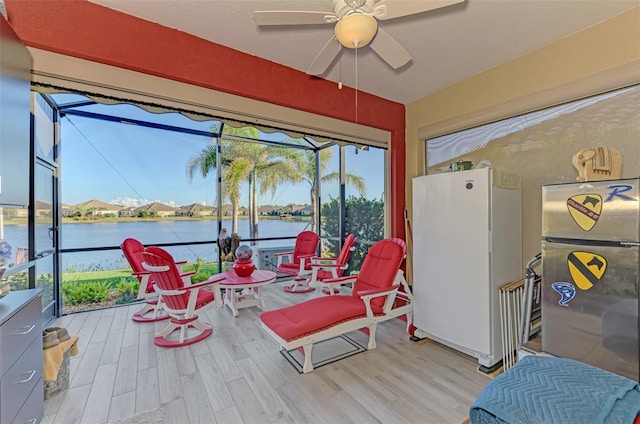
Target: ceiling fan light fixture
{"x":356,"y":30}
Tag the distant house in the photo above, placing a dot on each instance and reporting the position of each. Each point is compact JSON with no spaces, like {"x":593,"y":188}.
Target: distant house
{"x":300,"y":210}
{"x":16,"y":212}
{"x":95,"y":208}
{"x":44,"y":209}
{"x":266,"y":210}
{"x":66,"y":210}
{"x":155,"y":209}
{"x":227,"y":210}
{"x":195,"y":209}
{"x":305,"y":211}
{"x":127,"y":212}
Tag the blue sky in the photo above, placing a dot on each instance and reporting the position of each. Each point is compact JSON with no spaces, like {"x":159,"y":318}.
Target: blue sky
{"x":132,"y":165}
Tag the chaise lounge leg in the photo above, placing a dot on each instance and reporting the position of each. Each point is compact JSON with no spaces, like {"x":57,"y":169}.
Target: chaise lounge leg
{"x":308,"y":365}
{"x":409,"y":316}
{"x":372,"y":336}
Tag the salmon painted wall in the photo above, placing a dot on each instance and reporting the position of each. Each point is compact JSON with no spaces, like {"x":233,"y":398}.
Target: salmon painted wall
{"x":88,"y":31}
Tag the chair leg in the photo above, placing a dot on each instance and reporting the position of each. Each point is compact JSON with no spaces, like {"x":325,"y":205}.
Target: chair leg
{"x":167,"y":330}
{"x":409,"y":316}
{"x":150,"y":306}
{"x":330,"y":291}
{"x":161,"y":340}
{"x":372,"y":336}
{"x":300,"y":285}
{"x":308,"y":365}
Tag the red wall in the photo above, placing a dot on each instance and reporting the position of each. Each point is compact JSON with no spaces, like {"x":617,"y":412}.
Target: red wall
{"x":85,"y":30}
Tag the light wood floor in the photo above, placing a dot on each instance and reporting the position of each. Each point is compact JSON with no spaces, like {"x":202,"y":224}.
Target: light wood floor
{"x":238,"y":375}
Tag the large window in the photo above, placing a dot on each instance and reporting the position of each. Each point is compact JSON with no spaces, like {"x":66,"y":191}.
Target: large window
{"x":169,"y":180}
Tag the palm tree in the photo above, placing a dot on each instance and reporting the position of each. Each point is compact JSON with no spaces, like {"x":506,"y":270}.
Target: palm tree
{"x":307,"y":167}
{"x":263,"y":167}
{"x":205,"y":162}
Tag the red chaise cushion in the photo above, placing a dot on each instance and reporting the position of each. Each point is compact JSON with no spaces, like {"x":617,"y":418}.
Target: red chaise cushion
{"x":296,"y":321}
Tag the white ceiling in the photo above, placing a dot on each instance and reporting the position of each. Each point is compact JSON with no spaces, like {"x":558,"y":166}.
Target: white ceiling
{"x":448,"y":45}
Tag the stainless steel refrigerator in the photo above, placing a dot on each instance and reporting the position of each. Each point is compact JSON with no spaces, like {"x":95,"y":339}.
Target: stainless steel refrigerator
{"x":590,"y":252}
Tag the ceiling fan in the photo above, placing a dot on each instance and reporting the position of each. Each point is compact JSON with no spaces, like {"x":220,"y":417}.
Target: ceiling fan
{"x":356,"y":25}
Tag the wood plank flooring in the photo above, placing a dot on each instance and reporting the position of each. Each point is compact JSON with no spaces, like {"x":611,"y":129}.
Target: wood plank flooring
{"x":239,"y":376}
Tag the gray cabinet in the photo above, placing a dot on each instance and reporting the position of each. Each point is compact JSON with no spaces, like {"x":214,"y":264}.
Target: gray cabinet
{"x":15,"y":80}
{"x":21,"y":388}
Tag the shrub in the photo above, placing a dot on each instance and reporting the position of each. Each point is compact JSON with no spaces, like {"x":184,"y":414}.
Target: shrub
{"x":127,"y":288}
{"x":127,"y":298}
{"x":76,"y":293}
{"x":198,"y":278}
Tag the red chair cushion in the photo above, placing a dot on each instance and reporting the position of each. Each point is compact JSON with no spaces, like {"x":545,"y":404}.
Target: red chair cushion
{"x":345,"y":253}
{"x":320,"y":313}
{"x":132,"y":250}
{"x":379,"y":268}
{"x":306,"y":244}
{"x":172,"y":280}
{"x":323,"y":274}
{"x":292,"y":268}
{"x":204,"y":297}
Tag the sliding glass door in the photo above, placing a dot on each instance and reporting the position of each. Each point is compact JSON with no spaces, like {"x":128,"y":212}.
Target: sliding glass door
{"x":44,"y":205}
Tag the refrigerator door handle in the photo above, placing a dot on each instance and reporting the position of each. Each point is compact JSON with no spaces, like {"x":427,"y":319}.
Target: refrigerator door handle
{"x":586,"y":242}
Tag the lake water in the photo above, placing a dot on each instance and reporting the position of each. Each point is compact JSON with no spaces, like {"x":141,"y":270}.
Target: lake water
{"x":101,"y":234}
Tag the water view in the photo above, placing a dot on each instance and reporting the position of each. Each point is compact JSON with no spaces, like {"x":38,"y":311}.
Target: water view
{"x":101,"y":234}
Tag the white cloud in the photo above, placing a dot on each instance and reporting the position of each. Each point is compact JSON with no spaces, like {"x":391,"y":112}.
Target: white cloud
{"x":129,"y":201}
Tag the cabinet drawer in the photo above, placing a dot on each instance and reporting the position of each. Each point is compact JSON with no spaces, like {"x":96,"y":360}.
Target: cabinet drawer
{"x":19,"y":332}
{"x":17,"y":383}
{"x":33,"y":409}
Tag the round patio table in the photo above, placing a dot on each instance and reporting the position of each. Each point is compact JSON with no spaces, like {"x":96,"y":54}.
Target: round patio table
{"x":244,"y":292}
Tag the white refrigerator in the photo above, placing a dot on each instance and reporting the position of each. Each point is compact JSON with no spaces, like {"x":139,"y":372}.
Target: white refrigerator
{"x":467,"y":241}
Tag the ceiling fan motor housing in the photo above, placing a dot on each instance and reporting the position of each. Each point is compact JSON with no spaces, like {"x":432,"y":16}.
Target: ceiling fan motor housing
{"x":346,"y":7}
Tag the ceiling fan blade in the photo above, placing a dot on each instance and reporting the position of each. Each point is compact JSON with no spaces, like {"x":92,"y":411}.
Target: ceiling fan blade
{"x":325,"y":57}
{"x":398,"y":8}
{"x":292,"y":17}
{"x":389,"y":49}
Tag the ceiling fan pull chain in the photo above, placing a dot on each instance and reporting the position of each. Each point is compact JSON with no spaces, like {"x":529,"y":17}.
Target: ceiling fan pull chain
{"x":356,"y":94}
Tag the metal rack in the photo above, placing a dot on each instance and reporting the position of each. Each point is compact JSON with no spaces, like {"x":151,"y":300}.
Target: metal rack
{"x":531,"y":316}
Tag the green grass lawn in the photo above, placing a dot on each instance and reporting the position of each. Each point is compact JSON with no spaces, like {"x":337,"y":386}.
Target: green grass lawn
{"x":113,"y":277}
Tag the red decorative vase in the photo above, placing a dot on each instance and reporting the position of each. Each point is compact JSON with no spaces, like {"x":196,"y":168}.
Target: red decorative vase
{"x":243,"y":267}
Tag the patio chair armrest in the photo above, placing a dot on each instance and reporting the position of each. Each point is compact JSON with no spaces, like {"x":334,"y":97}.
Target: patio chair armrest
{"x":314,"y":265}
{"x":317,"y":260}
{"x":163,"y":292}
{"x":389,"y":293}
{"x":187,"y":274}
{"x":341,"y":280}
{"x":216,"y":278}
{"x":280,"y":258}
{"x":377,"y":292}
{"x":213,"y":280}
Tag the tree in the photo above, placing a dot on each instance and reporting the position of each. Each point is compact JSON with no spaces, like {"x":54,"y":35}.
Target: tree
{"x":307,"y":165}
{"x":205,"y":162}
{"x":263,"y":167}
{"x":365,"y":219}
